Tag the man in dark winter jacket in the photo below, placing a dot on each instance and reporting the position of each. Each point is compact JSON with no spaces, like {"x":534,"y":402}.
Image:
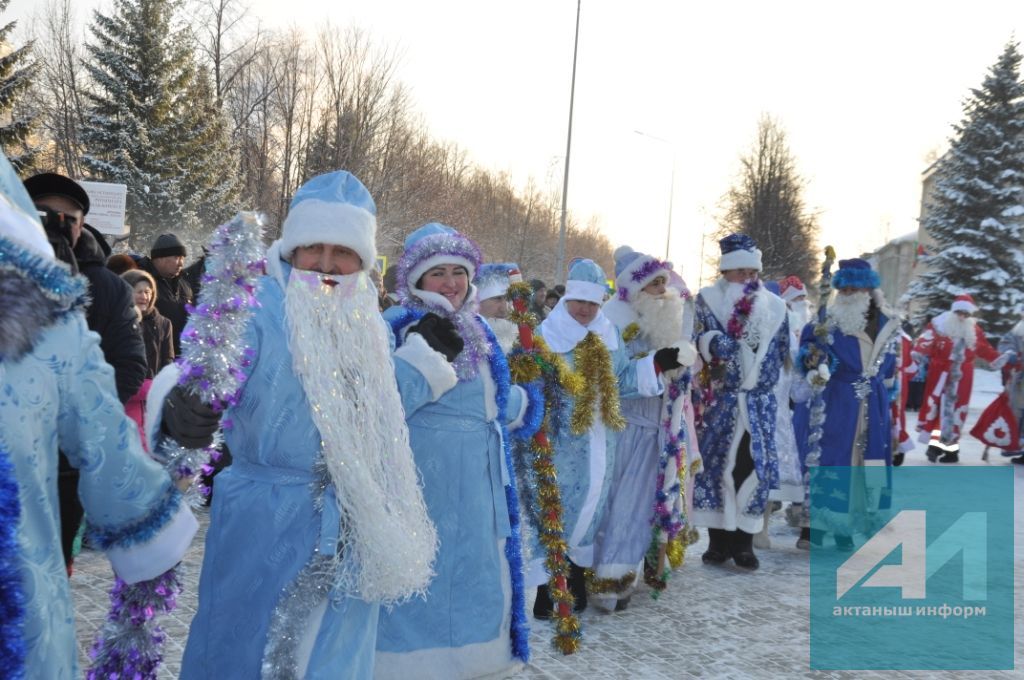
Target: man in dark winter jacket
{"x":111,"y":313}
{"x":165,"y":262}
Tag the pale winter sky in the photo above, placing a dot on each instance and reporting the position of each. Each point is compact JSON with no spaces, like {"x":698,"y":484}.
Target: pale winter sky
{"x":866,"y":91}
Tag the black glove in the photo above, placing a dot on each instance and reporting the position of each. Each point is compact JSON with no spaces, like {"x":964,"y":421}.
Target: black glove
{"x":188,"y":420}
{"x":667,"y":358}
{"x":440,"y":334}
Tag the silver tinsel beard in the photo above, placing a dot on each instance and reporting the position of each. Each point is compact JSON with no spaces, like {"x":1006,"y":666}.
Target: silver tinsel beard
{"x":342,"y":357}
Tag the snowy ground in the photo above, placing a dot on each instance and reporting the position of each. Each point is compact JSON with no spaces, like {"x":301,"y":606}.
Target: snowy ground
{"x":712,"y":622}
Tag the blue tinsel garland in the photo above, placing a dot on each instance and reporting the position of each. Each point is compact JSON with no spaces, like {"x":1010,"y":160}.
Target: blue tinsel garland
{"x":534,"y":416}
{"x":141,"y":530}
{"x":520,"y":629}
{"x":12,"y":597}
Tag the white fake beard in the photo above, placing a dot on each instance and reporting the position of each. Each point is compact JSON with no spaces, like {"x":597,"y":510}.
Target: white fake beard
{"x":341,"y":355}
{"x":506,"y":332}
{"x":660,"y":317}
{"x":799,"y":315}
{"x":960,"y":329}
{"x":850,"y":312}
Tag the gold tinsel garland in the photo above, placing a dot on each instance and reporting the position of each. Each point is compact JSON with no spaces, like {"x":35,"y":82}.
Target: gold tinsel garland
{"x":606,"y":586}
{"x":526,"y":366}
{"x":631,"y":331}
{"x":594,"y":364}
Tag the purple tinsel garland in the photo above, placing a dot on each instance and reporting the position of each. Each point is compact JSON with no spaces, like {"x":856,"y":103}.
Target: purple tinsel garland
{"x":741,"y":311}
{"x":12,"y":596}
{"x":130,"y":644}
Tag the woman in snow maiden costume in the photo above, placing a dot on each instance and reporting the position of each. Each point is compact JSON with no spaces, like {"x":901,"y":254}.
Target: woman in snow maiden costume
{"x":472,"y":621}
{"x":57,"y":391}
{"x":743,"y":337}
{"x":855,"y":353}
{"x":652,"y":460}
{"x":320,"y":517}
{"x":585,"y":443}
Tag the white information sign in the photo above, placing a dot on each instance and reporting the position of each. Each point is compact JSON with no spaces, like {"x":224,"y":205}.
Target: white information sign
{"x":106,"y":207}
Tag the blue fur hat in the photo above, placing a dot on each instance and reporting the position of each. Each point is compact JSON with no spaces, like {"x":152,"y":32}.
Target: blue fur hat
{"x":332,"y":208}
{"x":586,"y":282}
{"x":739,"y":252}
{"x":431,"y":245}
{"x":494,"y":278}
{"x":855,"y":273}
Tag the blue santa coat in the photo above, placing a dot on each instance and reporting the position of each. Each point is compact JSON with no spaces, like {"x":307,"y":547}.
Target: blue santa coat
{"x":264,"y":526}
{"x":461,"y":629}
{"x":841,"y":403}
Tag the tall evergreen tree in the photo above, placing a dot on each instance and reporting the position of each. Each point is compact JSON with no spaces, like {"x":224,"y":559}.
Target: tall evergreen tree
{"x":16,"y":70}
{"x":766,"y":202}
{"x":975,"y":214}
{"x":152,"y":124}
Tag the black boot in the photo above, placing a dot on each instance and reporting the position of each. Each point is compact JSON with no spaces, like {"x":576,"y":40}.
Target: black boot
{"x":933,"y":453}
{"x":578,"y":586}
{"x":951,"y":456}
{"x":804,"y":542}
{"x":543,"y":606}
{"x":743,"y":550}
{"x":718,"y":547}
{"x":844,"y":543}
{"x":897,"y":459}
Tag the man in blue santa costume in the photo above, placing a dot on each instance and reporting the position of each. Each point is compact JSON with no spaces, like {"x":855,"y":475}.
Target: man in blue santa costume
{"x":320,"y":517}
{"x":743,"y":337}
{"x":854,"y":353}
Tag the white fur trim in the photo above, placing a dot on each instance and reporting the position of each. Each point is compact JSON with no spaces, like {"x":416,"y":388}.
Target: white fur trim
{"x":620,"y":313}
{"x":647,"y":382}
{"x":963,"y":306}
{"x":162,"y":385}
{"x":704,"y":345}
{"x":492,"y":289}
{"x":741,"y":259}
{"x":793,"y":293}
{"x":429,"y":263}
{"x":274,"y":260}
{"x":524,"y":403}
{"x":583,"y":555}
{"x":147,"y":561}
{"x":625,"y":279}
{"x":687,"y":353}
{"x":315,"y":221}
{"x":437,"y":371}
{"x":584,"y":290}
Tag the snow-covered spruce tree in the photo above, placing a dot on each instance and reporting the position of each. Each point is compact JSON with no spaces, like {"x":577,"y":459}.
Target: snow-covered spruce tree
{"x":976,"y":210}
{"x":16,"y":121}
{"x":151,"y":123}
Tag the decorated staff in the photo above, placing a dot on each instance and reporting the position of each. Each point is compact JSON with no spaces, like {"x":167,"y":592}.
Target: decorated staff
{"x":530,"y":362}
{"x":645,"y":529}
{"x":211,"y":369}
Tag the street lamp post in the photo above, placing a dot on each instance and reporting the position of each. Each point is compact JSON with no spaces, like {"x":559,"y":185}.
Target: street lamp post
{"x":671,"y":189}
{"x":560,"y":273}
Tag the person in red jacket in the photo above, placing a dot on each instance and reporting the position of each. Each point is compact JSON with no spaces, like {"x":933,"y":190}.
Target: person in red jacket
{"x":950,"y":343}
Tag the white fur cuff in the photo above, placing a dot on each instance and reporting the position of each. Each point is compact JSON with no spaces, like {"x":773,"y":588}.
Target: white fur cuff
{"x":524,"y":403}
{"x":740,"y":259}
{"x":704,"y":344}
{"x":687,"y":353}
{"x":647,"y":382}
{"x":158,"y":554}
{"x":162,"y":385}
{"x":436,"y":370}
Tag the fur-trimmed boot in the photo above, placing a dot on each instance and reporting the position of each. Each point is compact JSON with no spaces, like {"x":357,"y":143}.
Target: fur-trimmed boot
{"x":743,"y":550}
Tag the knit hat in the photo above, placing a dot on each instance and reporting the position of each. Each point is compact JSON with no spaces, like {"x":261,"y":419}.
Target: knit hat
{"x":52,"y":184}
{"x":332,"y":208}
{"x":167,"y":245}
{"x":633,"y":271}
{"x":431,"y":245}
{"x":964,"y":303}
{"x":586,"y":282}
{"x":739,"y":252}
{"x":855,"y":273}
{"x":494,"y":278}
{"x":792,"y":288}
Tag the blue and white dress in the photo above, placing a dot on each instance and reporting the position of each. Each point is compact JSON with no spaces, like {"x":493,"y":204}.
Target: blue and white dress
{"x":472,"y":622}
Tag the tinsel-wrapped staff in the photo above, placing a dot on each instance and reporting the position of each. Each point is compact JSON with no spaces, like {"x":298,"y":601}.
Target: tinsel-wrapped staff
{"x":532,"y":361}
{"x":213,"y":358}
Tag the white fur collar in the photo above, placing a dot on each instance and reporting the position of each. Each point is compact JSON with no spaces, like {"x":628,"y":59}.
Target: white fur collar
{"x":562,"y":333}
{"x":769,"y":309}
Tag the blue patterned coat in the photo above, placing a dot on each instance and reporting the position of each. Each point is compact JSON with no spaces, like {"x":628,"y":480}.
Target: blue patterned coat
{"x":56,"y":390}
{"x":743,"y":401}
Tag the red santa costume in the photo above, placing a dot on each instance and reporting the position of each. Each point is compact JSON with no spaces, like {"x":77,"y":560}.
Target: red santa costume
{"x":899,"y":405}
{"x":950,"y":343}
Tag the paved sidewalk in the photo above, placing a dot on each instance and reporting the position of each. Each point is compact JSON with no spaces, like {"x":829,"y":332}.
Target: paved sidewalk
{"x":712,"y":622}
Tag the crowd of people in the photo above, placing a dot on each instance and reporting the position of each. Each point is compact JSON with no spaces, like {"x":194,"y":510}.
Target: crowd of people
{"x":379,"y":516}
